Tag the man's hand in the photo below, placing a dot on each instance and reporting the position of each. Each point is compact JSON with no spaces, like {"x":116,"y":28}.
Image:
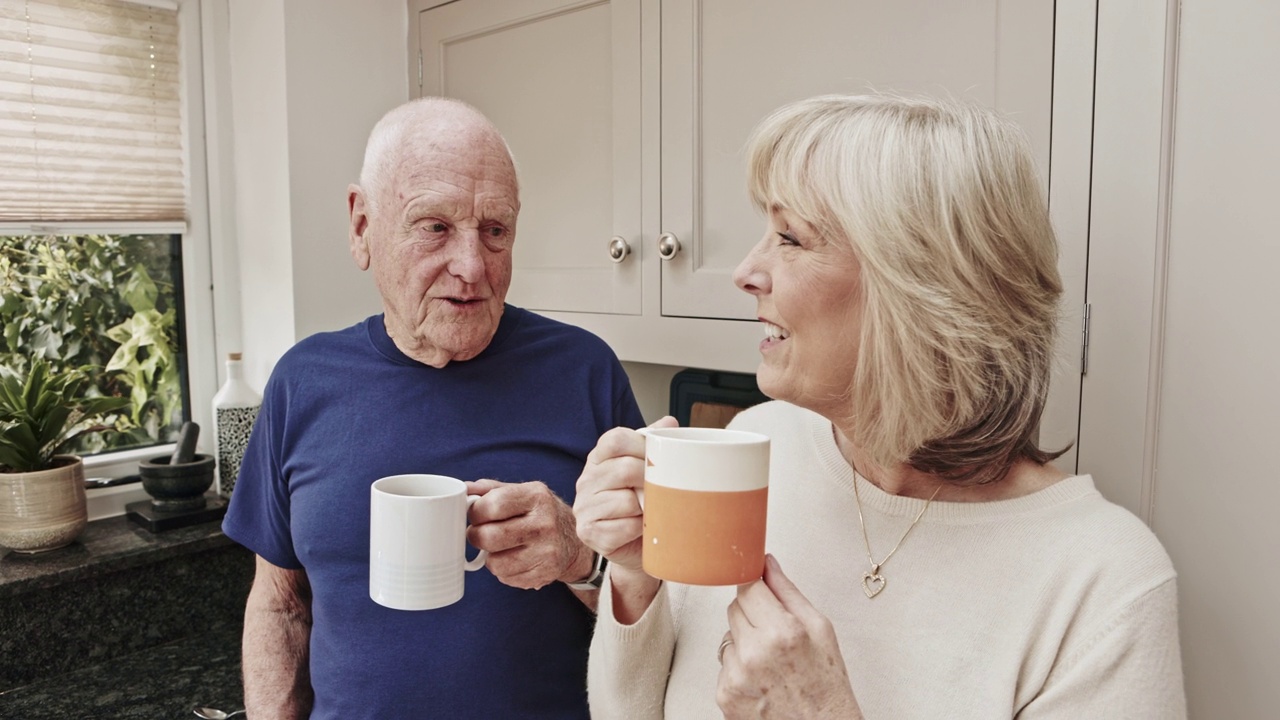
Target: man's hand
{"x":529,"y":533}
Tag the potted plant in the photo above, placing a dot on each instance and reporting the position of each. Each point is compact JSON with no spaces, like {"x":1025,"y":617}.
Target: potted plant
{"x":42,"y":501}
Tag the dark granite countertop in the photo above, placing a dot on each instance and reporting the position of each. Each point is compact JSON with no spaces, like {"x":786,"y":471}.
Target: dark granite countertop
{"x":123,"y":623}
{"x":159,"y":683}
{"x":105,"y":546}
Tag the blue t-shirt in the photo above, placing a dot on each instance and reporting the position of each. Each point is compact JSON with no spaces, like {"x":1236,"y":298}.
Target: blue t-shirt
{"x":343,"y":409}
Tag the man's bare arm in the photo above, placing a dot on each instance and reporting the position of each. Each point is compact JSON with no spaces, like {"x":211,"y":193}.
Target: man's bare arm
{"x":277,"y":637}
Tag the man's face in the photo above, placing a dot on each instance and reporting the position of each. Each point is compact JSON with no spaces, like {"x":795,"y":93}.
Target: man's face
{"x":439,"y":241}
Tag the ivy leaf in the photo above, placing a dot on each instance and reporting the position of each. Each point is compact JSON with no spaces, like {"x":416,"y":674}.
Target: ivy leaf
{"x":45,"y":342}
{"x":139,"y":290}
{"x":12,"y":336}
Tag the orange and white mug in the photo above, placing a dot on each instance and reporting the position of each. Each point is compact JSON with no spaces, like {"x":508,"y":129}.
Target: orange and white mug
{"x":705,"y":503}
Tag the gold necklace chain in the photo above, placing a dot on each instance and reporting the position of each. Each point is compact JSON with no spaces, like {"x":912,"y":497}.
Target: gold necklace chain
{"x":873,"y":582}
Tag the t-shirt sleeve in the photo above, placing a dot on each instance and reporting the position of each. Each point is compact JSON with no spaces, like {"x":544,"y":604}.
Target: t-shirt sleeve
{"x":626,"y":411}
{"x":629,"y":664}
{"x":1131,"y":668}
{"x":258,"y":514}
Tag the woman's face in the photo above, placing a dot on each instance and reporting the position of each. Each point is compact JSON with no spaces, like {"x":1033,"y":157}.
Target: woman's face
{"x":808,"y":297}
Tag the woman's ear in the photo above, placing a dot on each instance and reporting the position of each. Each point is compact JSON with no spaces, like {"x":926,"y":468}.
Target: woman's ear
{"x":357,"y":230}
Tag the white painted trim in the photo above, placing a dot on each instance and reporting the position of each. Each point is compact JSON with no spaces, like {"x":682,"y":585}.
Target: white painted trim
{"x":157,"y":227}
{"x":220,"y":164}
{"x":1155,"y":367}
{"x":161,"y":4}
{"x":111,"y":501}
{"x":202,"y":373}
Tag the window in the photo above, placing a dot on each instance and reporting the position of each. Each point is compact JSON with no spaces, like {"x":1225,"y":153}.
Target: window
{"x":104,"y":247}
{"x":112,"y":302}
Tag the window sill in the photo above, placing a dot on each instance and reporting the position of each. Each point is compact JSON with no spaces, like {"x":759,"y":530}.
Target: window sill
{"x":104,"y":547}
{"x":108,"y":502}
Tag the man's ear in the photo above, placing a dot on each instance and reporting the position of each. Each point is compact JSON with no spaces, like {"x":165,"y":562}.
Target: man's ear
{"x":358,"y":228}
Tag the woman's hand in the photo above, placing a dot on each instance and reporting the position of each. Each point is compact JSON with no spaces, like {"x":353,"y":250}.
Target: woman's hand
{"x":609,"y":517}
{"x":782,"y":658}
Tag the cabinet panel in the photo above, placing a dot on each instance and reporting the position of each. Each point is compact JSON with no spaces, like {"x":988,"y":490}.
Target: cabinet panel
{"x":728,"y":63}
{"x":561,"y":81}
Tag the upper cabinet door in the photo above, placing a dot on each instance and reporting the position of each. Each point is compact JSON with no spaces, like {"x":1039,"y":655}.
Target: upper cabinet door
{"x":561,"y":80}
{"x":727,"y":63}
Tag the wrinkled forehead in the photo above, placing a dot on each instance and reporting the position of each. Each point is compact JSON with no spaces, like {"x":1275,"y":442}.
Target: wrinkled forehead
{"x":466,"y":162}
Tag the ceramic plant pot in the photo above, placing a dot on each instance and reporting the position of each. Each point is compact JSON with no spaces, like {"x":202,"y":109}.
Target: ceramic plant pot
{"x":43,"y":510}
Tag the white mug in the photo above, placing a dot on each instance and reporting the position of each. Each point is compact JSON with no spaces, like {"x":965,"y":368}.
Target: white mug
{"x":417,"y":541}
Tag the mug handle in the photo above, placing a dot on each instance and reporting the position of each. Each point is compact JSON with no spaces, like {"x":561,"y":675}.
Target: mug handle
{"x":478,"y":562}
{"x":640,"y":490}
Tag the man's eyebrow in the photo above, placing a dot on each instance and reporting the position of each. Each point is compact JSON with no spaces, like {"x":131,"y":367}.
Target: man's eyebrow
{"x":421,"y":207}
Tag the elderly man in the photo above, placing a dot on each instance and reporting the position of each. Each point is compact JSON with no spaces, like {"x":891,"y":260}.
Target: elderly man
{"x":447,"y":380}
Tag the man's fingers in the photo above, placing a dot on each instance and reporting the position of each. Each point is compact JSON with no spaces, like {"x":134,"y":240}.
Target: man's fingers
{"x":522,"y":567}
{"x":508,"y":500}
{"x":480,"y":487}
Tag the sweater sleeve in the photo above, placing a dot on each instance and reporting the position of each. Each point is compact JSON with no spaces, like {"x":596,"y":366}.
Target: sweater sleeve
{"x":1131,"y":668}
{"x":629,"y":664}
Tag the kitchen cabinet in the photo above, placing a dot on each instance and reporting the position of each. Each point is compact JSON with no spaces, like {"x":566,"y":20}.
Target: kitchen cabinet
{"x":628,"y":120}
{"x":562,"y":82}
{"x":572,"y":85}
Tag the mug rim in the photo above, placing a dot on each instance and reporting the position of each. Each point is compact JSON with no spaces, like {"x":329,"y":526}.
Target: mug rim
{"x":438,"y":486}
{"x":722,"y":436}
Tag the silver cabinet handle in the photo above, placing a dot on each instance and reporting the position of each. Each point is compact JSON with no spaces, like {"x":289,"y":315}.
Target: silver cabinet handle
{"x":668,"y":246}
{"x":618,"y":249}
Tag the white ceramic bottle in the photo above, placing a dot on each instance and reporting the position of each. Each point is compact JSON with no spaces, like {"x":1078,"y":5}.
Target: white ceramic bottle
{"x":235,"y":408}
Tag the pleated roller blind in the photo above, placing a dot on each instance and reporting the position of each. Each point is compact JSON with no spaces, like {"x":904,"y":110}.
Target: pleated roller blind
{"x":90,"y":112}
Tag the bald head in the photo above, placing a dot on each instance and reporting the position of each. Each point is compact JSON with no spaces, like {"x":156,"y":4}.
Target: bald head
{"x":425,"y":123}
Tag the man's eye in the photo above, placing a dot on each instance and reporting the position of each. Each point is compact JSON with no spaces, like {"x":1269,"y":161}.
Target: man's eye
{"x":496,"y":231}
{"x":437,"y":227}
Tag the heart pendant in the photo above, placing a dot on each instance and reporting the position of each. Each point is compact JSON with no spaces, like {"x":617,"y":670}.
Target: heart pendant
{"x":872,"y":584}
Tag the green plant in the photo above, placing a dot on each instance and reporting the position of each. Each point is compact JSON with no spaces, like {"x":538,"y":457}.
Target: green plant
{"x":101,"y":301}
{"x":43,"y":410}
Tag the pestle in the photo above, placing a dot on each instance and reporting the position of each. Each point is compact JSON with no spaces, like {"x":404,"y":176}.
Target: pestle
{"x":186,"y":450}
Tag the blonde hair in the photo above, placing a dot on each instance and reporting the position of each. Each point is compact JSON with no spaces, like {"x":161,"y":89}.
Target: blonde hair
{"x":941,"y":204}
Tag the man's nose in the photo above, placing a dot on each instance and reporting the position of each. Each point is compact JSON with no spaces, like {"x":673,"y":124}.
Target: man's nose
{"x":467,"y":260}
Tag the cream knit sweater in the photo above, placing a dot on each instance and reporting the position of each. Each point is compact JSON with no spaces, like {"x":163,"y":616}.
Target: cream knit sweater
{"x":1053,"y":605}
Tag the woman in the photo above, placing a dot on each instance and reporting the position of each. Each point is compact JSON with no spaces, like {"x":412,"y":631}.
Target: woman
{"x":938,"y":566}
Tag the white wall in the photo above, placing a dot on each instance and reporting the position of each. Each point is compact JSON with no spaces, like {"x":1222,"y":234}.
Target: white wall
{"x":348,"y":66}
{"x":1217,"y":502}
{"x":652,"y":387}
{"x":260,"y":130}
{"x":308,"y":79}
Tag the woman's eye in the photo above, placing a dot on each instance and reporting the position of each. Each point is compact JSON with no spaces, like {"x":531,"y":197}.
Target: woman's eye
{"x":788,"y":239}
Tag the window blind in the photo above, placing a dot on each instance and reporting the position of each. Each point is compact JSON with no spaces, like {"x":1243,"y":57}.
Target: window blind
{"x":90,"y":112}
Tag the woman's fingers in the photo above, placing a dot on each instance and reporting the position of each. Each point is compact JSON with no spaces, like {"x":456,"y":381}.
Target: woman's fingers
{"x":616,"y":443}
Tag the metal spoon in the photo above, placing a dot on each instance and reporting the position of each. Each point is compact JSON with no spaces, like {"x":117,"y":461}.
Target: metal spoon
{"x":214,"y":713}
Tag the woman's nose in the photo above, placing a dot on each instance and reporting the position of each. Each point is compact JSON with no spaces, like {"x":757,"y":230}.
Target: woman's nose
{"x":750,"y":276}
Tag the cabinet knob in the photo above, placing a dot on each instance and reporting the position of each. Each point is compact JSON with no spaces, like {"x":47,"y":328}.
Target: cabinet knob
{"x":618,"y":249}
{"x":668,"y":246}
